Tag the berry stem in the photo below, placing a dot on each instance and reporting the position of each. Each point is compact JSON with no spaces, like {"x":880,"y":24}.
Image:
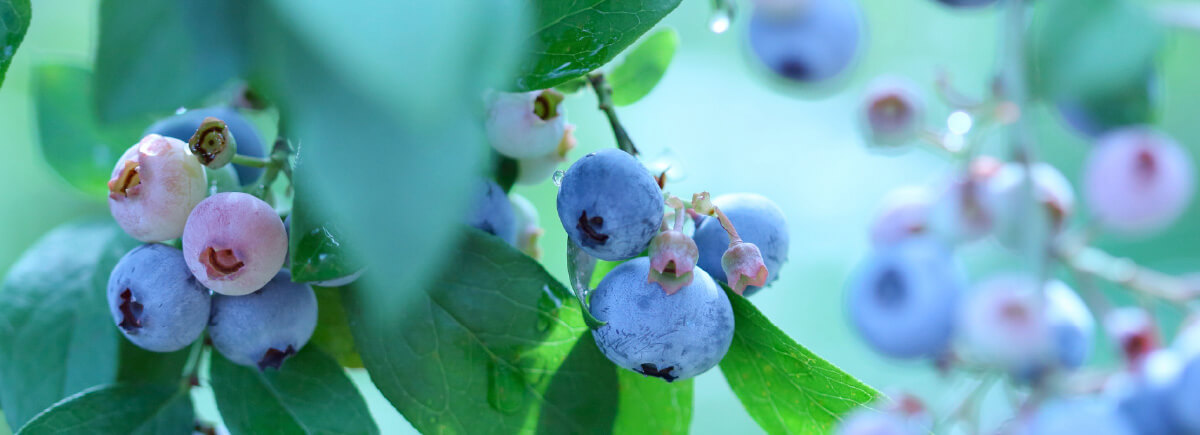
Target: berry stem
{"x":604,"y":95}
{"x":277,"y":163}
{"x":254,"y":162}
{"x":734,"y":238}
{"x":1090,"y":261}
{"x":192,"y":367}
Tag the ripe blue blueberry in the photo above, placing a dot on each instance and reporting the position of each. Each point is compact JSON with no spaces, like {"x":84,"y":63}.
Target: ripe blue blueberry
{"x":264,"y":328}
{"x":1144,"y":395}
{"x":807,"y":41}
{"x":903,"y":299}
{"x":184,"y":125}
{"x":154,"y":299}
{"x":610,"y":205}
{"x":1183,"y":399}
{"x":757,"y":220}
{"x":492,"y":213}
{"x":1082,"y":415}
{"x":1071,"y":325}
{"x":674,"y":336}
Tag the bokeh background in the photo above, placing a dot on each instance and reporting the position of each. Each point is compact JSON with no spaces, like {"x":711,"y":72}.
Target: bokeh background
{"x":729,"y":128}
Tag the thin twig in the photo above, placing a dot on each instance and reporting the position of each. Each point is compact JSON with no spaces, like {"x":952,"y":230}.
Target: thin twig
{"x":604,"y":95}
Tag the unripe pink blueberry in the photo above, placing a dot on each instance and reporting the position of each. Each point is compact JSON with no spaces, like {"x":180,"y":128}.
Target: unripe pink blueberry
{"x":234,"y":243}
{"x":1134,"y":332}
{"x":905,"y":214}
{"x":892,"y":111}
{"x":1138,"y":180}
{"x":528,"y":229}
{"x":525,"y":125}
{"x":964,"y":211}
{"x":1051,"y":191}
{"x":1004,"y":323}
{"x":154,"y":187}
{"x":538,"y":169}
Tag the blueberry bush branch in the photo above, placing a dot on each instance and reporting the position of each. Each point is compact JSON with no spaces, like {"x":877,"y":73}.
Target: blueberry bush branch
{"x":604,"y":95}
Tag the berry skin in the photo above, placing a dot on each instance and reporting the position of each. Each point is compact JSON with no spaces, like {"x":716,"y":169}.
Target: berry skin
{"x":672,"y":337}
{"x":234,"y":243}
{"x":1071,"y":324}
{"x":610,"y":205}
{"x":1138,"y":180}
{"x":493,"y":213}
{"x":904,"y":215}
{"x":757,"y":220}
{"x":155,"y":301}
{"x":249,"y":143}
{"x":966,"y":3}
{"x":1144,"y":394}
{"x":1183,"y":397}
{"x":1082,"y":415}
{"x":526,"y":125}
{"x":809,"y":41}
{"x":264,"y":328}
{"x":892,"y":111}
{"x":154,"y":186}
{"x":903,"y":299}
{"x":870,"y":422}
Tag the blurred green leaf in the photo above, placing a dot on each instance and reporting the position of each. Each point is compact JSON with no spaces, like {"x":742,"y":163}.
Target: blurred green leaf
{"x":574,"y":38}
{"x":643,"y":67}
{"x":649,"y":405}
{"x":14,"y":22}
{"x":391,"y":171}
{"x":1083,"y":49}
{"x":138,"y":365}
{"x":319,"y":250}
{"x":785,"y":387}
{"x":333,"y":329}
{"x":572,"y":86}
{"x":57,"y":337}
{"x":133,"y":409}
{"x":1132,"y":105}
{"x":155,"y":56}
{"x":75,"y":145}
{"x":494,"y":345}
{"x":310,"y":393}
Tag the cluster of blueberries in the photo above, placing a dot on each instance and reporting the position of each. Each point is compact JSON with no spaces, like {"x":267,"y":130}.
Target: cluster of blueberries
{"x":663,"y":313}
{"x":228,"y":277}
{"x":911,"y":299}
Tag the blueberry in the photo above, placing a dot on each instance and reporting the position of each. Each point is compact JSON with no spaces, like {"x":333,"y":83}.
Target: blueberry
{"x":1082,"y":415}
{"x":904,"y":215}
{"x":1183,"y":399}
{"x":757,"y":220}
{"x":870,"y":422}
{"x":528,"y":229}
{"x":264,"y":328}
{"x":155,"y":301}
{"x":610,"y":205}
{"x":154,"y":186}
{"x":1006,"y":193}
{"x":809,"y":41}
{"x":234,"y":243}
{"x":671,"y":337}
{"x":535,"y":170}
{"x":492,"y":212}
{"x":249,"y":142}
{"x":903,"y":299}
{"x":525,"y":125}
{"x":1071,"y":325}
{"x":966,"y":3}
{"x":892,"y":111}
{"x":1145,"y":395}
{"x":1138,"y":180}
{"x":965,"y":211}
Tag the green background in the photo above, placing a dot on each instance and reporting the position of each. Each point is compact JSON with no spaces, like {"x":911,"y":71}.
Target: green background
{"x":730,"y":128}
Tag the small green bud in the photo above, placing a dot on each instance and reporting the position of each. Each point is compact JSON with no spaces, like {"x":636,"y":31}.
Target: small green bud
{"x":213,"y":143}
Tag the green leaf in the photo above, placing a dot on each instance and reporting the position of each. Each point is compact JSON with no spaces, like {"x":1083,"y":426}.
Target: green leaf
{"x":643,"y":67}
{"x":309,"y":394}
{"x":576,"y":37}
{"x":651,"y":406}
{"x":133,"y":409}
{"x":75,"y":145}
{"x":1075,"y":54}
{"x":56,"y":334}
{"x":14,"y":22}
{"x":183,"y":51}
{"x":390,"y":171}
{"x":494,"y":345}
{"x":785,"y":387}
{"x":333,"y":330}
{"x":319,"y":250}
{"x":138,"y":365}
